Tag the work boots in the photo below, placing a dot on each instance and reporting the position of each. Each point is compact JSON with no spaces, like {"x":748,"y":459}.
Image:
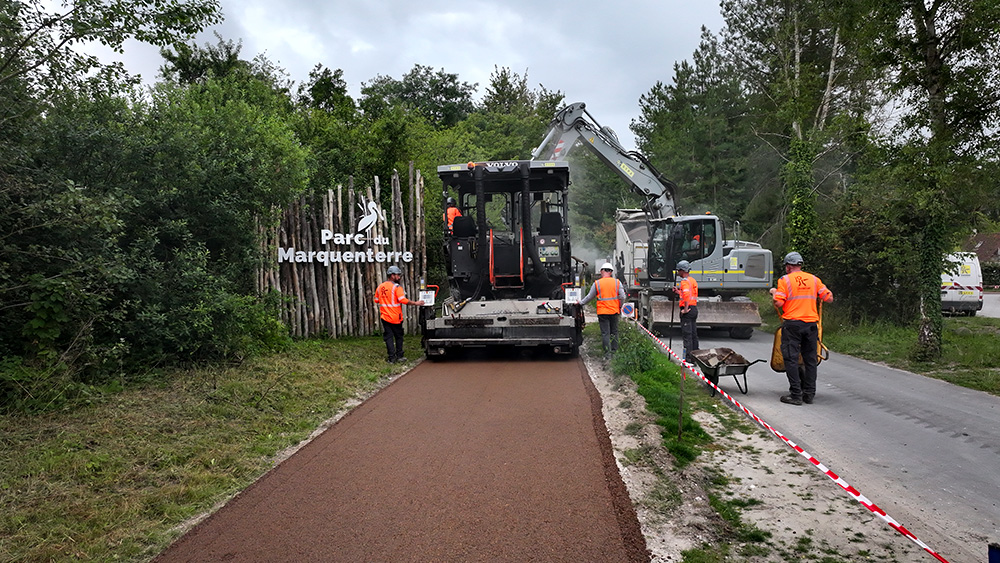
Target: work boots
{"x":792,"y":400}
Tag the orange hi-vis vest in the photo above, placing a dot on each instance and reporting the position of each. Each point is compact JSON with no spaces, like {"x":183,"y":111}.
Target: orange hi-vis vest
{"x":607,"y":296}
{"x":796,"y":295}
{"x":689,"y":292}
{"x":390,"y":298}
{"x":450,"y":216}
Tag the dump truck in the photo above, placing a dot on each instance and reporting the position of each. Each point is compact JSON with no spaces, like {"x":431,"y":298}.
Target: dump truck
{"x":646,"y":254}
{"x":512,"y":280}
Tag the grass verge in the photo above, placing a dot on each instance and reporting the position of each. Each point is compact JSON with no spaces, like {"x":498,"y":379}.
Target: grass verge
{"x":730,"y":535}
{"x":660,"y":382}
{"x":115,"y":480}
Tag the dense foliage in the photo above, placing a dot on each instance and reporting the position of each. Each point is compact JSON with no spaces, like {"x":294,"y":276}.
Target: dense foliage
{"x":130,"y":219}
{"x":859,"y":133}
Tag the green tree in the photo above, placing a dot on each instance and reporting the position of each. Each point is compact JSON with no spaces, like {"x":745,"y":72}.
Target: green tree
{"x":327,"y":90}
{"x":512,"y":118}
{"x":810,"y":94}
{"x":438,"y":96}
{"x":190,"y":64}
{"x":191,"y":173}
{"x":596,"y":191}
{"x":696,"y":130}
{"x":939,"y":58}
{"x":37,"y":39}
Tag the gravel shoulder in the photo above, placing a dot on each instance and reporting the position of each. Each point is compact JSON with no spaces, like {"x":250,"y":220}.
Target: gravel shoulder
{"x":808,"y":516}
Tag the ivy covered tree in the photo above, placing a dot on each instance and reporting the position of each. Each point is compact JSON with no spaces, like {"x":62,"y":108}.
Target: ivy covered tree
{"x":940,"y":58}
{"x":809,"y":96}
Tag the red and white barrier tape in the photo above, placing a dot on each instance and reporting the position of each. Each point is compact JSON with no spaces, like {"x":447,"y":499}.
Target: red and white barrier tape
{"x":836,"y":478}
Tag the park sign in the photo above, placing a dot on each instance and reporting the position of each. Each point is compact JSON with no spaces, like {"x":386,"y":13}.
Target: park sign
{"x":363,"y":236}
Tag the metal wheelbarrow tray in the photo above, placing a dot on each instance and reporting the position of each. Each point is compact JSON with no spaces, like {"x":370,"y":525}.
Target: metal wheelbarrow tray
{"x":715,"y":362}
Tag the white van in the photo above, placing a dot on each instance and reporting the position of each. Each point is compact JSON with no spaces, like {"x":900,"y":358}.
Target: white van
{"x":962,"y":284}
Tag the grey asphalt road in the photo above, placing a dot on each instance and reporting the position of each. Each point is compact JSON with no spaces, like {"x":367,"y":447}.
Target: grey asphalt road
{"x":991,"y":305}
{"x":925,"y":451}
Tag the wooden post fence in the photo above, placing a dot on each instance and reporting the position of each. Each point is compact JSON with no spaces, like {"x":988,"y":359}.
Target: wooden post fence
{"x":330,"y":252}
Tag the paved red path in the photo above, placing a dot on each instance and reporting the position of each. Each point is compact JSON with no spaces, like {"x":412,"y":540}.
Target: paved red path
{"x":457,"y":461}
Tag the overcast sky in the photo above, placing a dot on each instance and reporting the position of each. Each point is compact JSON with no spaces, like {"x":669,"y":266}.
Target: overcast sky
{"x":606,"y":54}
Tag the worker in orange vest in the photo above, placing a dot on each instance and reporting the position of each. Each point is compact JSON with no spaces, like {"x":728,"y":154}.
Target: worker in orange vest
{"x":390,"y":299}
{"x":610,"y":295}
{"x":451,"y":213}
{"x":795,"y":297}
{"x":687,"y":291}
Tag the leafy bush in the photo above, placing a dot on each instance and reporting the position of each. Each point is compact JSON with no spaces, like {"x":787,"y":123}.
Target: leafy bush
{"x":991,"y":274}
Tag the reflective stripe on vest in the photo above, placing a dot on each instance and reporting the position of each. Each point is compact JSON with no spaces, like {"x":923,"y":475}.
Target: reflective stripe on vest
{"x":607,"y":305}
{"x":804,"y":292}
{"x":389,"y":306}
{"x":689,"y":292}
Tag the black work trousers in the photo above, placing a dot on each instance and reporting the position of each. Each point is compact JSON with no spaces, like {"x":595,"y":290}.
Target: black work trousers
{"x":689,"y":332}
{"x":392,"y":333}
{"x":609,"y":332}
{"x":799,"y":338}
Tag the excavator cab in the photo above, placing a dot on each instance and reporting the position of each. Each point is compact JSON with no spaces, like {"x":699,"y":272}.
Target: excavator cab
{"x":694,"y":239}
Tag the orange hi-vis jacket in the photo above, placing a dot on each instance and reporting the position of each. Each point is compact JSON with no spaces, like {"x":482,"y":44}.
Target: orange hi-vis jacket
{"x":450,"y":216}
{"x":689,"y":292}
{"x":390,"y":298}
{"x":607,"y":296}
{"x":796,"y":295}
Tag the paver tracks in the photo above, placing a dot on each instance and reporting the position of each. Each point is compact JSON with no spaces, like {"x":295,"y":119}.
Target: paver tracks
{"x":505,"y":460}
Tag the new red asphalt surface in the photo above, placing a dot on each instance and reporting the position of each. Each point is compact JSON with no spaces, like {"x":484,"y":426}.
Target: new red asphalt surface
{"x":502,"y":460}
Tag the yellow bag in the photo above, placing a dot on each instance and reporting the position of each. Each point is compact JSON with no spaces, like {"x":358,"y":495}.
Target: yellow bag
{"x":822,"y":352}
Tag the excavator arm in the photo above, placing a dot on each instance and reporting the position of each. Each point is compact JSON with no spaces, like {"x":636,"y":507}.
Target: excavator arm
{"x":573,"y":123}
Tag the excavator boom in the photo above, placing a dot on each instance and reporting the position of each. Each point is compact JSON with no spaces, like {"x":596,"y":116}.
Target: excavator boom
{"x":573,"y":123}
{"x":646,"y":257}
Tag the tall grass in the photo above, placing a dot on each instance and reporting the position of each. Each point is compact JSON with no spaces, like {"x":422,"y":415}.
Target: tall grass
{"x":661,"y":383}
{"x":113,"y":480}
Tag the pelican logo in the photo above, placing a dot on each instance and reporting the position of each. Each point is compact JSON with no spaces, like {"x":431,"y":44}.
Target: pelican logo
{"x":371,"y":214}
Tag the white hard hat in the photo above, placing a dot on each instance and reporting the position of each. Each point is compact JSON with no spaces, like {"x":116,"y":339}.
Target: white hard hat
{"x":607,"y":266}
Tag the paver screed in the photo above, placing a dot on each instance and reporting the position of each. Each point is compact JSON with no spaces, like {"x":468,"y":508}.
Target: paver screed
{"x":503,"y":460}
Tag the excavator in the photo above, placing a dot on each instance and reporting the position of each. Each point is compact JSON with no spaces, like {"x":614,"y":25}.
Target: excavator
{"x":513,"y":282}
{"x":651,"y":241}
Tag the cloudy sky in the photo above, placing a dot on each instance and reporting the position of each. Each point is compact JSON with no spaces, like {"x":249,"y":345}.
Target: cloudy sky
{"x":606,"y":54}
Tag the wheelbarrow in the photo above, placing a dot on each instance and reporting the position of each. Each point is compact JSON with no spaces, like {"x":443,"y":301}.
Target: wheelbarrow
{"x":715,"y":362}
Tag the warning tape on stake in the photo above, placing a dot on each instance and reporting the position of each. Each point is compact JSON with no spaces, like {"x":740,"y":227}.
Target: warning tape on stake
{"x":836,"y":478}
